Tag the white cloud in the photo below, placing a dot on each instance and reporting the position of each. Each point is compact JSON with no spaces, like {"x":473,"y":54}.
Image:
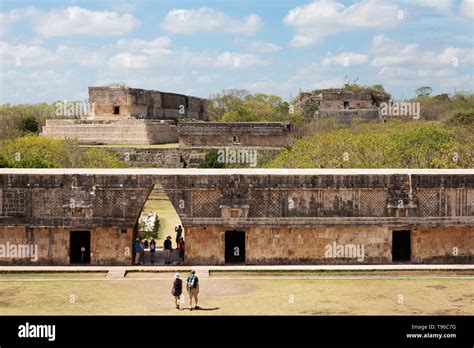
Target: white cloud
{"x":206,"y":79}
{"x":124,"y":7}
{"x":444,"y":6}
{"x":79,"y":21}
{"x":15,"y":15}
{"x":391,"y":53}
{"x":19,"y":56}
{"x":155,"y":46}
{"x":263,"y":47}
{"x":466,"y":8}
{"x":440,"y":78}
{"x":345,"y":59}
{"x":205,"y":19}
{"x":264,"y":84}
{"x":39,"y":86}
{"x":314,"y":21}
{"x":28,"y":56}
{"x":238,"y":60}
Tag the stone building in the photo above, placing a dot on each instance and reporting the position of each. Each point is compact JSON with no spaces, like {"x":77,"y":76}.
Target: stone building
{"x":123,"y":115}
{"x":236,"y":134}
{"x":122,"y":102}
{"x":251,"y":216}
{"x":342,"y":105}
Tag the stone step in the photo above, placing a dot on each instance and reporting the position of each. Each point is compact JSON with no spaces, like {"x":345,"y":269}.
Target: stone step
{"x":116,"y":273}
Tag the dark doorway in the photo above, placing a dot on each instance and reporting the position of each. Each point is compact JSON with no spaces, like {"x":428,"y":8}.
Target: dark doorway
{"x":234,"y":247}
{"x":80,"y":247}
{"x":116,"y":110}
{"x":346,"y":104}
{"x":401,"y":246}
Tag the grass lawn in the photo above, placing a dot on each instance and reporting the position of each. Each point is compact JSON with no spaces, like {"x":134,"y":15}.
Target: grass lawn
{"x":159,"y":202}
{"x":50,"y":274}
{"x":221,"y":296}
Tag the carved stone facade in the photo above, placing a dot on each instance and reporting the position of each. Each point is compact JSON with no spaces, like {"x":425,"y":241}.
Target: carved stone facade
{"x":342,"y":105}
{"x":122,"y":102}
{"x":235,"y":134}
{"x":123,"y":115}
{"x":285,"y":216}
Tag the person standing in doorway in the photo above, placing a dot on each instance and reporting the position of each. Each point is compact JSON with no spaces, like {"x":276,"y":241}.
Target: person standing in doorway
{"x":182,"y":248}
{"x":152,"y":250}
{"x":142,"y":252}
{"x":177,"y":289}
{"x":138,"y":250}
{"x":167,"y":246}
{"x":192,"y":286}
{"x":179,"y":233}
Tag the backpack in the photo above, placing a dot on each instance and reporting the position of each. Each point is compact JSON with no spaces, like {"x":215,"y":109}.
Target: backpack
{"x":177,"y":287}
{"x":192,"y":282}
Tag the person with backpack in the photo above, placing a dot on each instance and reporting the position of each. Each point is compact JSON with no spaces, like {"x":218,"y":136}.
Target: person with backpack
{"x":177,"y":289}
{"x":167,"y":246}
{"x":152,"y":250}
{"x":138,"y":251}
{"x":192,"y":286}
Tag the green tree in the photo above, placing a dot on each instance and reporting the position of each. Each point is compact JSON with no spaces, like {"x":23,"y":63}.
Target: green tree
{"x":423,"y":91}
{"x":35,"y":151}
{"x":395,"y":144}
{"x":211,"y":160}
{"x":29,"y":124}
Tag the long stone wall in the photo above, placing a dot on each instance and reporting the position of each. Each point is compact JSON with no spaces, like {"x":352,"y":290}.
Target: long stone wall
{"x":125,"y":131}
{"x":288,"y":216}
{"x":219,"y":134}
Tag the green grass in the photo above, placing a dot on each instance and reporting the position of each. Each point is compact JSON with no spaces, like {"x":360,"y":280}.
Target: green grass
{"x":336,"y":273}
{"x":49,"y":274}
{"x":220,"y":296}
{"x":159,"y":202}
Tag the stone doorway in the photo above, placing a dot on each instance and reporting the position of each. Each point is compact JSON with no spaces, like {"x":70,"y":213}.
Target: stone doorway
{"x":401,"y":246}
{"x":80,"y":247}
{"x":234,"y":247}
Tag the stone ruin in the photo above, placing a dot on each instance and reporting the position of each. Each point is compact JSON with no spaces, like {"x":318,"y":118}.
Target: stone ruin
{"x":123,"y":115}
{"x":235,"y":134}
{"x":342,"y":105}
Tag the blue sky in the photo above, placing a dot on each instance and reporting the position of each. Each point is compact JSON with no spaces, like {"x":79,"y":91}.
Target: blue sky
{"x":52,"y":50}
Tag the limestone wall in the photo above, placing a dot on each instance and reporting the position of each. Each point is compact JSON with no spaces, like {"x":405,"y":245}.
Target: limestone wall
{"x":209,"y":134}
{"x":142,"y":103}
{"x":109,"y":246}
{"x":347,"y":116}
{"x":335,"y":100}
{"x":315,"y":245}
{"x":127,"y":131}
{"x":443,"y":245}
{"x":289,"y":216}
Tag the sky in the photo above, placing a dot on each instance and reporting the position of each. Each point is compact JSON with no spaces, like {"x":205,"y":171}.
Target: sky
{"x":54,"y":50}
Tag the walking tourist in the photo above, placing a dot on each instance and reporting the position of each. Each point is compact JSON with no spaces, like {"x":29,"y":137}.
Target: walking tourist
{"x":192,"y":286}
{"x":177,"y":289}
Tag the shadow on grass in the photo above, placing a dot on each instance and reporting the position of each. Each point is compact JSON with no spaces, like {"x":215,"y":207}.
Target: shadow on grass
{"x":201,"y":309}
